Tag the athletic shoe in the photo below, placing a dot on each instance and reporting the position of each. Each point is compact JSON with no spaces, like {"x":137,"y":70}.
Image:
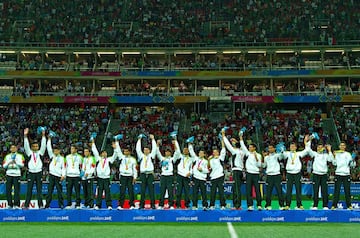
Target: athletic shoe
{"x":250,"y":208}
{"x":96,"y":208}
{"x":68,"y":207}
{"x":194,"y":208}
{"x":78,"y":207}
{"x":350,"y":208}
{"x":109,"y":207}
{"x":259,"y":208}
{"x":212,"y":208}
{"x":223,"y":208}
{"x":325,"y":208}
{"x":171,"y":208}
{"x":132,"y":208}
{"x":287,"y":208}
{"x":270,"y":208}
{"x":159,"y":207}
{"x":282,"y":208}
{"x":119,"y":208}
{"x":333,"y":208}
{"x":313,"y":208}
{"x":299,"y":208}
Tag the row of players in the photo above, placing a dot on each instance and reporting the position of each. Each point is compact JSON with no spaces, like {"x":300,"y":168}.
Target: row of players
{"x":79,"y":170}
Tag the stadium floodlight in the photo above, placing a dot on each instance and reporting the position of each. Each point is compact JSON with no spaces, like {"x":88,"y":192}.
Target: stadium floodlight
{"x":334,"y":50}
{"x":310,"y":51}
{"x":55,"y":52}
{"x":231,"y":52}
{"x":183,"y":52}
{"x":7,"y":51}
{"x":131,"y":53}
{"x":284,"y":51}
{"x":30,"y":52}
{"x":82,"y":53}
{"x":106,"y":53}
{"x":155,"y":53}
{"x":203,"y":52}
{"x":256,"y":52}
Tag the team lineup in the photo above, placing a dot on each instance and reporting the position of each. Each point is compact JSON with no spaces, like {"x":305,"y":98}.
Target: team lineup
{"x":186,"y":167}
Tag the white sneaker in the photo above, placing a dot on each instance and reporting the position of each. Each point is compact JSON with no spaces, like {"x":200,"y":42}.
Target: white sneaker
{"x":109,"y":207}
{"x":222,"y":207}
{"x":313,"y":208}
{"x":212,"y":208}
{"x":132,"y":208}
{"x":194,"y":208}
{"x":325,"y":208}
{"x":96,"y":208}
{"x":259,"y":208}
{"x":68,"y":207}
{"x":270,"y":208}
{"x":299,"y":208}
{"x":17,"y":207}
{"x":78,"y":207}
{"x":282,"y":208}
{"x":172,"y":208}
{"x":119,"y":208}
{"x":250,"y":208}
{"x":159,"y":208}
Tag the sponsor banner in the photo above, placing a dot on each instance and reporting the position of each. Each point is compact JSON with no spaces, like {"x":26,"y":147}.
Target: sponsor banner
{"x":190,"y":99}
{"x":86,"y":99}
{"x":215,"y":73}
{"x":32,"y":205}
{"x":98,"y":73}
{"x":150,"y":73}
{"x":132,"y":99}
{"x":30,"y":73}
{"x":253,"y":99}
{"x":103,"y":215}
{"x":36,"y":99}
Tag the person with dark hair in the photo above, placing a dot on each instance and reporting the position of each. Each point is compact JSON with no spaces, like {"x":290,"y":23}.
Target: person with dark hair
{"x":13,"y":162}
{"x":145,"y":158}
{"x":200,"y":173}
{"x":184,"y":172}
{"x":293,"y":174}
{"x":322,"y":156}
{"x":237,"y":167}
{"x":73,"y":165}
{"x":87,"y":179}
{"x":273,"y":177}
{"x":343,"y":162}
{"x":167,"y":175}
{"x":128,"y":176}
{"x":103,"y":173}
{"x":217,"y":175}
{"x":35,"y":166}
{"x":253,"y":164}
{"x":57,"y":173}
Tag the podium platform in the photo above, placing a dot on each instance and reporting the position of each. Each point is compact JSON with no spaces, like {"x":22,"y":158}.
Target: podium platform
{"x":144,"y":215}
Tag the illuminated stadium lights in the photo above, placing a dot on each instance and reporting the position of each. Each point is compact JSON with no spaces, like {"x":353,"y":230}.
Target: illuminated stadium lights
{"x":231,"y":52}
{"x":284,"y":51}
{"x":30,"y":52}
{"x":131,"y":53}
{"x":55,"y":52}
{"x":256,"y":52}
{"x":155,"y":53}
{"x":82,"y":53}
{"x":334,"y":51}
{"x":7,"y":52}
{"x":204,"y":52}
{"x":106,"y":52}
{"x":310,"y":51}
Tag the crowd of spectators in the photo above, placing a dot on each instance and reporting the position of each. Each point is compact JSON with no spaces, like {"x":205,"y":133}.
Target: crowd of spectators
{"x":165,"y":21}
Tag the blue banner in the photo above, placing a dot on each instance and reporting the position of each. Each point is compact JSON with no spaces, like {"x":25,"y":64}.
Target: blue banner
{"x":57,"y":215}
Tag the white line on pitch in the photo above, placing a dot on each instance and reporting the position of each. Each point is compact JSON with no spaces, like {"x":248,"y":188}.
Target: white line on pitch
{"x":232,"y":230}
